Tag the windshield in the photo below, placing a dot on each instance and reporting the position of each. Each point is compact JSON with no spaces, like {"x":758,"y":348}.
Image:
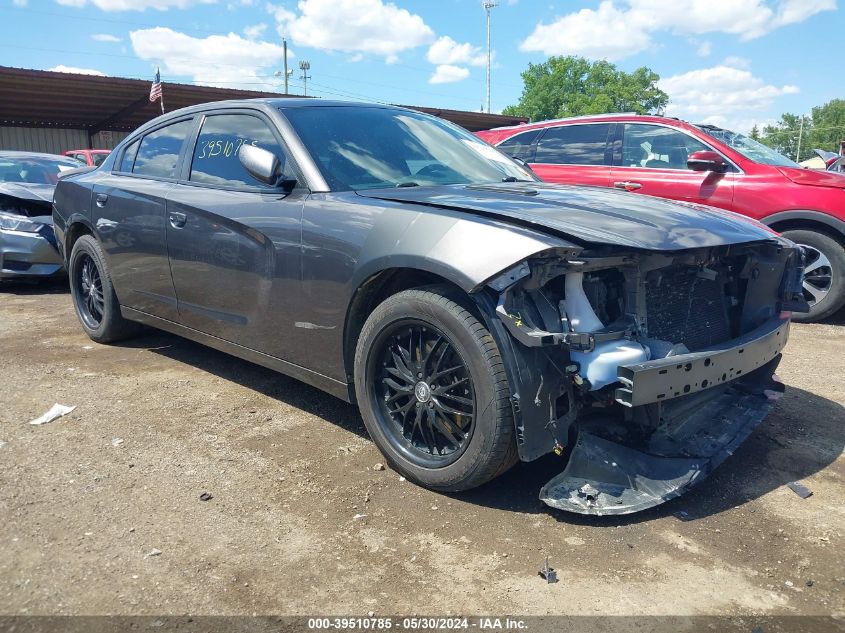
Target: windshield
{"x":98,"y":159}
{"x":34,"y":170}
{"x":369,"y":148}
{"x":748,"y":147}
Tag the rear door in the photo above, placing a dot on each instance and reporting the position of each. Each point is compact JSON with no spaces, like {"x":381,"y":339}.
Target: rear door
{"x":576,"y":154}
{"x":128,"y":213}
{"x":234,"y":243}
{"x":653,"y":161}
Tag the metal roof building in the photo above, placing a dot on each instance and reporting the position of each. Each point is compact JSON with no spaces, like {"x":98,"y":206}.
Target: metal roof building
{"x":52,"y":111}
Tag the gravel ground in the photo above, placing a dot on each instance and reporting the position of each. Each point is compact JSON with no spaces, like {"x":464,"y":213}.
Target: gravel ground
{"x":301,"y":521}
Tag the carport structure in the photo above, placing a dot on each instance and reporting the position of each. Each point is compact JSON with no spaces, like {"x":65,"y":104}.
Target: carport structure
{"x":52,"y":111}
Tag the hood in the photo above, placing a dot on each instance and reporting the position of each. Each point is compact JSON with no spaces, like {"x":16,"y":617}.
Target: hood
{"x":30,"y":192}
{"x":813,"y":177}
{"x":591,"y":214}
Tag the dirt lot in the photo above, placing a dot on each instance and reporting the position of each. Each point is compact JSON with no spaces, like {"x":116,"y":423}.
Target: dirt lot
{"x":289,"y":469}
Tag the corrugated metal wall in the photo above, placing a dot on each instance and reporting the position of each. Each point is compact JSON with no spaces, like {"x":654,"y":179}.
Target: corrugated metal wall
{"x":54,"y":140}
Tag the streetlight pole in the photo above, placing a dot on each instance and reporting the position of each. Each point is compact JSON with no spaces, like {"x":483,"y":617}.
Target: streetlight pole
{"x":488,"y":7}
{"x":285,"y":45}
{"x":800,"y":134}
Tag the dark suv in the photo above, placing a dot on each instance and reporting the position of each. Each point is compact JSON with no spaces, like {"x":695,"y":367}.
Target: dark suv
{"x":665,"y":157}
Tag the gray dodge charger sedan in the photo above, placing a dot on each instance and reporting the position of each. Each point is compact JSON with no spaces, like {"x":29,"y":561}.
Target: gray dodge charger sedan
{"x":475,"y":315}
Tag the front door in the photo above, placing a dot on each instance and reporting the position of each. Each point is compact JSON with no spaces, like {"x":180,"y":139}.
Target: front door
{"x":234,"y":243}
{"x":653,"y":161}
{"x":128,"y":213}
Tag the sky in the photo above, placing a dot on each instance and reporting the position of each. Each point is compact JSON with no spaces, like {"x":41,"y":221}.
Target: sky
{"x":734,"y":63}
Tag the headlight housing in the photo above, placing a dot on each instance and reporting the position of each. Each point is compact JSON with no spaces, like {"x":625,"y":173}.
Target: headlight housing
{"x":18,"y":223}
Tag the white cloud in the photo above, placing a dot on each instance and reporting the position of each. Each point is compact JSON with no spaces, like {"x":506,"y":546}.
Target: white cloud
{"x":20,"y":3}
{"x":216,"y":60}
{"x":104,"y":37}
{"x":721,"y":95}
{"x":618,"y":29}
{"x":704,"y":49}
{"x":448,"y":74}
{"x":61,"y":68}
{"x":737,"y":62}
{"x":447,"y":51}
{"x":255,"y":31}
{"x":604,"y":33}
{"x":354,"y":26}
{"x":134,"y":5}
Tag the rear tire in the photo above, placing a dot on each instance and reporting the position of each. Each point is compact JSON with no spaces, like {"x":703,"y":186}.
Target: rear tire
{"x":824,"y":282}
{"x":457,"y":429}
{"x":93,"y":293}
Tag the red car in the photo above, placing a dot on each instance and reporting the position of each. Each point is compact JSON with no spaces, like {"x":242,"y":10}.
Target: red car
{"x":665,"y":157}
{"x":91,"y":157}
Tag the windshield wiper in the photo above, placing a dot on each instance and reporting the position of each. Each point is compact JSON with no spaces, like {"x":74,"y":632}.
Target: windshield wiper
{"x":514,"y":179}
{"x":410,"y":183}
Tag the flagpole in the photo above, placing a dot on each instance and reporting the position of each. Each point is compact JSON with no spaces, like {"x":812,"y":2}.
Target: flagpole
{"x":161,"y":98}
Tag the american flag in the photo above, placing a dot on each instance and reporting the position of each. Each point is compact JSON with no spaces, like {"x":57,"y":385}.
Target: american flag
{"x":155,"y":89}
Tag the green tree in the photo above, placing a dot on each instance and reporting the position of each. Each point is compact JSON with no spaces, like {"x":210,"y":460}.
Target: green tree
{"x":755,"y":132}
{"x":828,"y":128}
{"x":571,"y":86}
{"x":783,"y":135}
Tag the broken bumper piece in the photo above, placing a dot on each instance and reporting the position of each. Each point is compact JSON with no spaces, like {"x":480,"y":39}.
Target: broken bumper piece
{"x":605,"y":477}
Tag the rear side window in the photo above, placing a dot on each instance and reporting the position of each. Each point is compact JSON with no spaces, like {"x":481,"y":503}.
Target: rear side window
{"x":574,"y":145}
{"x":215,"y":160}
{"x":159,"y":150}
{"x":657,"y":147}
{"x":128,"y":158}
{"x":521,"y":145}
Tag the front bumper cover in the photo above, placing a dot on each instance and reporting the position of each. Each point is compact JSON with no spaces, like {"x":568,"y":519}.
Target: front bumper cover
{"x":700,"y":426}
{"x":28,"y":254}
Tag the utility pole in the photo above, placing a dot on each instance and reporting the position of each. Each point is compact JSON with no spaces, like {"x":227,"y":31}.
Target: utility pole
{"x":488,"y":7}
{"x":800,"y":134}
{"x":305,"y":66}
{"x":285,"y":45}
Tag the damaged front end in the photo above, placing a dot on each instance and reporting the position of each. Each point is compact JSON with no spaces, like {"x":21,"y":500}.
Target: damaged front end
{"x":645,"y":369}
{"x":27,"y":243}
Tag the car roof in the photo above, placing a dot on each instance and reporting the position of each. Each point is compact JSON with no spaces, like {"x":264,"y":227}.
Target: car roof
{"x":15,"y":154}
{"x":90,"y":151}
{"x":596,"y":118}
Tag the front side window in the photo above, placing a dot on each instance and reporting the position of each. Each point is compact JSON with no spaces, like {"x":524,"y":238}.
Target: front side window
{"x":159,"y":151}
{"x":370,"y":147}
{"x":98,"y":159}
{"x":657,"y":147}
{"x":573,"y":145}
{"x":215,"y":160}
{"x":521,"y":145}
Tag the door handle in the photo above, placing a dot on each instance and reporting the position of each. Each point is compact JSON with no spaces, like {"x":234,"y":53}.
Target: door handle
{"x":627,"y":185}
{"x":177,"y":220}
{"x":101,"y":199}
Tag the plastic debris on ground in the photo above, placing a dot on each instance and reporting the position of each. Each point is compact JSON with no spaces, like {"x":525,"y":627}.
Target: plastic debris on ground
{"x":206,"y":496}
{"x":154,"y":552}
{"x":800,"y":489}
{"x":55,"y":412}
{"x":118,"y":441}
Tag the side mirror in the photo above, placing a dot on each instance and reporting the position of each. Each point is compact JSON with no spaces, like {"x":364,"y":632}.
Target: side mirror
{"x":707,"y":160}
{"x":264,"y":166}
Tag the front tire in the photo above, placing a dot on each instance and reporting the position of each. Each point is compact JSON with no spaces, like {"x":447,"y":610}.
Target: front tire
{"x":93,"y":294}
{"x":433,"y":392}
{"x":824,"y":274}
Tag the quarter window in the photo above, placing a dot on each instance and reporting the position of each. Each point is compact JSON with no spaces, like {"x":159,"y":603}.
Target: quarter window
{"x":521,"y":145}
{"x":657,"y":147}
{"x":215,"y":160}
{"x":159,"y":150}
{"x":574,"y":145}
{"x":128,"y":158}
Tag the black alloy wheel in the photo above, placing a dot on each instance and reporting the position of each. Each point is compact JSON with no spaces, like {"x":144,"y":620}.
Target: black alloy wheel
{"x":89,"y":291}
{"x":426,"y":394}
